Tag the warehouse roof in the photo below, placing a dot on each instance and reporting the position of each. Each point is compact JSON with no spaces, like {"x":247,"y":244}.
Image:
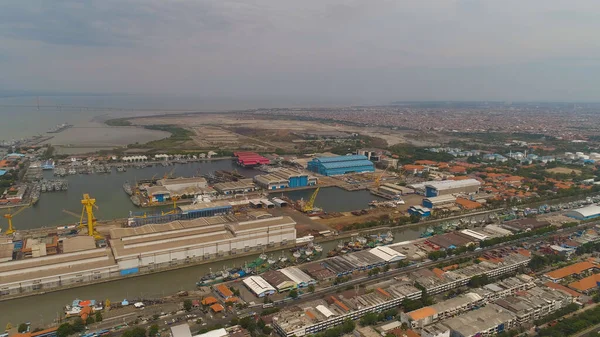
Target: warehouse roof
{"x":297,"y":275}
{"x":341,"y":158}
{"x":576,"y":268}
{"x":442,"y":199}
{"x":387,"y":254}
{"x":450,"y":184}
{"x":353,"y":163}
{"x":154,"y":190}
{"x":258,"y":284}
{"x":584,"y":212}
{"x":479,"y":320}
{"x":177,"y":181}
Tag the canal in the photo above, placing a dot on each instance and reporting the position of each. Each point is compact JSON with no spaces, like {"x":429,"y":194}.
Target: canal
{"x":112,"y":201}
{"x":45,"y":308}
{"x":335,"y":199}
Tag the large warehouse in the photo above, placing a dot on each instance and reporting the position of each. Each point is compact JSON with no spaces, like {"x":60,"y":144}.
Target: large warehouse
{"x":284,"y":178}
{"x":161,"y":245}
{"x":585,"y":213}
{"x":445,"y":187}
{"x":331,"y":166}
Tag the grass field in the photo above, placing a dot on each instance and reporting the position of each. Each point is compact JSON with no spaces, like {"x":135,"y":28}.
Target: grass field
{"x":564,"y":170}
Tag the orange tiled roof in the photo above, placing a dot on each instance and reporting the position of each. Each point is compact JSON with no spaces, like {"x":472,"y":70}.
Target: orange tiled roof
{"x":562,"y":288}
{"x":467,"y":204}
{"x":422,"y":313}
{"x":224,"y":290}
{"x":576,"y":268}
{"x":438,"y":272}
{"x":426,"y":162}
{"x":587,"y":283}
{"x":217,"y":307}
{"x":209,"y":300}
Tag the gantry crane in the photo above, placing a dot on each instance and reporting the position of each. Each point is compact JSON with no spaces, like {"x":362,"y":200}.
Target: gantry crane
{"x":174,"y":210}
{"x":309,"y":206}
{"x":88,"y":209}
{"x":9,"y":217}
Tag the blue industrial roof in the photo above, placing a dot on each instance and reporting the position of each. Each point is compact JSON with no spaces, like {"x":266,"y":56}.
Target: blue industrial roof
{"x":354,"y":163}
{"x":342,"y":158}
{"x":15,"y":155}
{"x":2,"y":172}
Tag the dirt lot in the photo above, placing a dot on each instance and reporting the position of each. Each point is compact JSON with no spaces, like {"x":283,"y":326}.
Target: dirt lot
{"x":347,"y":218}
{"x":236,"y":128}
{"x":563,"y":170}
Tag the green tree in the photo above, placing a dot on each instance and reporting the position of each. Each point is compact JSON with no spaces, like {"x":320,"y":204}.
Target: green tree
{"x":311,"y":288}
{"x":99,"y":317}
{"x":22,"y":328}
{"x":90,"y":320}
{"x":153,"y":331}
{"x":64,"y":330}
{"x":187,"y":305}
{"x":348,"y":326}
{"x":267,"y":330}
{"x":135,"y":332}
{"x":78,"y":325}
{"x":369,"y":319}
{"x":294,"y":293}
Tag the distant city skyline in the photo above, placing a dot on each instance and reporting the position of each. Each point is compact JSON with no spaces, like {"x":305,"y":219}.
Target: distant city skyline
{"x":370,"y":52}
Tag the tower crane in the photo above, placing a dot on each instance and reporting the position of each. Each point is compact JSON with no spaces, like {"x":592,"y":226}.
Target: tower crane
{"x":9,"y":217}
{"x":309,"y":206}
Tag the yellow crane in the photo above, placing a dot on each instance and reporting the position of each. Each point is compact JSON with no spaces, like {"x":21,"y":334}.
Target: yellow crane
{"x":309,"y":206}
{"x":88,"y":209}
{"x":174,"y":210}
{"x":378,"y":180}
{"x":9,"y":217}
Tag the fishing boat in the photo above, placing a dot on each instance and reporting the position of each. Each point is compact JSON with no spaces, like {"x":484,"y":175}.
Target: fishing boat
{"x":297,"y":254}
{"x":263,"y":256}
{"x":270,"y":260}
{"x":135,"y":200}
{"x":308,"y":252}
{"x":318,"y":248}
{"x":127,"y":188}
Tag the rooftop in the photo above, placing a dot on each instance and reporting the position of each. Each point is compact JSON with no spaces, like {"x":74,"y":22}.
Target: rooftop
{"x":573,"y":269}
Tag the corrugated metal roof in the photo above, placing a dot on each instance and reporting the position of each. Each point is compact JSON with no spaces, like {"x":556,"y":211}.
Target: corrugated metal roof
{"x":349,"y":163}
{"x":341,"y":158}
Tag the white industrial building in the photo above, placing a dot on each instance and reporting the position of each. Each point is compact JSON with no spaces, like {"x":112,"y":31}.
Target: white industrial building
{"x":160,"y":245}
{"x":298,"y":276}
{"x":53,"y":271}
{"x":387,"y":254}
{"x":445,"y":187}
{"x":259,"y":286}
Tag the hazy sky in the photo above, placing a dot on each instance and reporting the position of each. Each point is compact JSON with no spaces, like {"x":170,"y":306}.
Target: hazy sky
{"x":371,"y":50}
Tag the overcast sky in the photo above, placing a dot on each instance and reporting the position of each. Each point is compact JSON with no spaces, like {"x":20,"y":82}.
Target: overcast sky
{"x":372,"y":50}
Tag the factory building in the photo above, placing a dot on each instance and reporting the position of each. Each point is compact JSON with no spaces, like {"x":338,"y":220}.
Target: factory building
{"x":250,"y":159}
{"x":184,"y":186}
{"x":235,"y":187}
{"x":419,"y":210}
{"x":279,"y":280}
{"x":298,"y":276}
{"x":441,"y":201}
{"x":445,"y":187}
{"x":338,"y":165}
{"x":284,"y":178}
{"x":585,"y":213}
{"x":53,"y":271}
{"x":179,"y":242}
{"x":259,"y":286}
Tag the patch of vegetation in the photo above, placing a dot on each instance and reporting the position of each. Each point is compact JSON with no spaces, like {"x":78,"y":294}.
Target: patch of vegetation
{"x":118,"y":122}
{"x":178,"y":137}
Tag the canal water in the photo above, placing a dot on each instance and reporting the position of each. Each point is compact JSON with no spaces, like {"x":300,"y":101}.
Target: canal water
{"x":113,"y":202}
{"x":335,"y":199}
{"x":111,"y":199}
{"x":45,"y":308}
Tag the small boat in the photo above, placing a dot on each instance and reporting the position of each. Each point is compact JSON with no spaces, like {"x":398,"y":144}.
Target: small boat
{"x":283,"y":259}
{"x":318,"y":248}
{"x":308,"y":252}
{"x":297,"y":254}
{"x":127,"y":188}
{"x":263,"y":256}
{"x":271,"y":260}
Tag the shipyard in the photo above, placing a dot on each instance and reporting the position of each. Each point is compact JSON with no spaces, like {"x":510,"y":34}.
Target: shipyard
{"x":275,"y":169}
